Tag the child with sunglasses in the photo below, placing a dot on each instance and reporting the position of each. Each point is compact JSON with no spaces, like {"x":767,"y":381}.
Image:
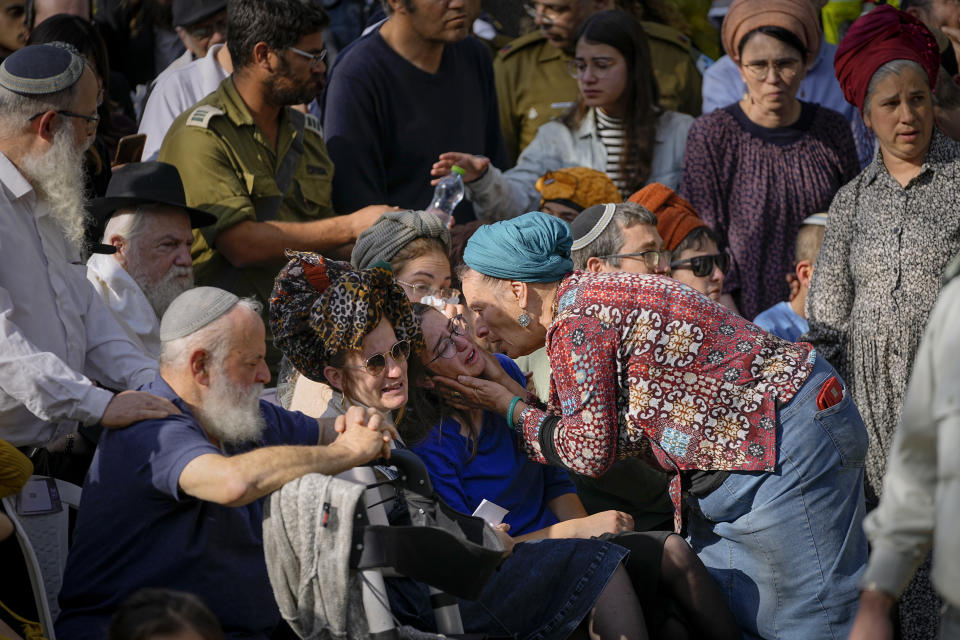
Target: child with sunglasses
{"x":696,"y":259}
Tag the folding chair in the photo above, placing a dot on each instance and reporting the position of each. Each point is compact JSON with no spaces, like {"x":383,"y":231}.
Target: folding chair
{"x":44,"y":541}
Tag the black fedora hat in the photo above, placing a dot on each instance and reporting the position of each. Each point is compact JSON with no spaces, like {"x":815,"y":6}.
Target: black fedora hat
{"x":135,"y":184}
{"x":189,"y":12}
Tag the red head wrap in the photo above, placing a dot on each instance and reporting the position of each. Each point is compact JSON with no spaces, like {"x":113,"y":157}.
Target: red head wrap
{"x":881,"y":36}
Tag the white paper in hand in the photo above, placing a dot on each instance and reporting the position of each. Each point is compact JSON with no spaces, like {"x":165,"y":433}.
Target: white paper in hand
{"x":491,"y":512}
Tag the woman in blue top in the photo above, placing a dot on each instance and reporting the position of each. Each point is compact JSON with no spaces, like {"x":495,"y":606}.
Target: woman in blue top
{"x":472,"y":455}
{"x":354,"y":330}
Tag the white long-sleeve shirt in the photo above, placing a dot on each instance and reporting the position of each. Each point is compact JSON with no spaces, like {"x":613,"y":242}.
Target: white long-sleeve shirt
{"x":126,"y":299}
{"x":56,"y":334}
{"x":920,"y":506}
{"x":174,"y":92}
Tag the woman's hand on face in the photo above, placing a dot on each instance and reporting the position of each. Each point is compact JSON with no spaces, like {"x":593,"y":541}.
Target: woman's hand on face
{"x":474,"y":393}
{"x":474,"y":166}
{"x":493,"y":371}
{"x":601,"y":523}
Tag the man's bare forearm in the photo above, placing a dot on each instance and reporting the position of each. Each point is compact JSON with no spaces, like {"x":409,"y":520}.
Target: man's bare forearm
{"x":253,"y":244}
{"x":238,"y":480}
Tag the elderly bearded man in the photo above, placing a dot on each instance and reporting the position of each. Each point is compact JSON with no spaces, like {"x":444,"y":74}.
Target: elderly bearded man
{"x":177,"y":502}
{"x":56,"y":335}
{"x":144,"y":261}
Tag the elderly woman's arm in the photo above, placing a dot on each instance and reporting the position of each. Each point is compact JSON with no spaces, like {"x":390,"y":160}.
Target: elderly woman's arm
{"x":583,"y":356}
{"x":831,"y":295}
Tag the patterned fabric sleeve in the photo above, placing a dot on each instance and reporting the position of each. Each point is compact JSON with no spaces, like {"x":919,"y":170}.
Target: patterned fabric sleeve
{"x":830,"y":300}
{"x":585,"y":373}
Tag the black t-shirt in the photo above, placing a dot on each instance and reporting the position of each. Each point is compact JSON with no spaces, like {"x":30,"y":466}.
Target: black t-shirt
{"x":387,"y":121}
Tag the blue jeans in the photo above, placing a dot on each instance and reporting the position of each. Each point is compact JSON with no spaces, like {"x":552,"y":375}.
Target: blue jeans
{"x":543,"y":590}
{"x":787,"y":547}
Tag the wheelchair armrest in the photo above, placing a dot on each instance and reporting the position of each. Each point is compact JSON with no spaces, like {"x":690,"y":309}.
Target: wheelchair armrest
{"x":413,"y":473}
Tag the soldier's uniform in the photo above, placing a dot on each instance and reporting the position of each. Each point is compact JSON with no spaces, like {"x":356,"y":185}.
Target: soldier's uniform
{"x":230,"y":169}
{"x":534,"y":86}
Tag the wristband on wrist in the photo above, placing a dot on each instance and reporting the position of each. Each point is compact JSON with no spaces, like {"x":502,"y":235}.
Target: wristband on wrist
{"x":523,"y":418}
{"x":513,"y":405}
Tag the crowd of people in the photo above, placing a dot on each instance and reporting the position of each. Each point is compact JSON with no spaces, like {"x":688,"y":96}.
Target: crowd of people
{"x":688,"y":327}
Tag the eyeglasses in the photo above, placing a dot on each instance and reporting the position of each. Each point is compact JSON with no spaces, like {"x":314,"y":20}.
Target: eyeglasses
{"x":447,"y":348}
{"x":92,"y":121}
{"x":651,"y":259}
{"x":601,"y":67}
{"x":376,"y":363}
{"x":424,"y":290}
{"x":202,"y":32}
{"x":786,"y":68}
{"x":549,"y":10}
{"x":315,"y":58}
{"x":703,"y":265}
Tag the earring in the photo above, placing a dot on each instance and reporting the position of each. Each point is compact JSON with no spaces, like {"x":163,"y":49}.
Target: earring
{"x":524,"y":319}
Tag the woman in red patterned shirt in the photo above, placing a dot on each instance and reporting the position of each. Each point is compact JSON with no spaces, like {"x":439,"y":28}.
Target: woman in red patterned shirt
{"x":766,"y":448}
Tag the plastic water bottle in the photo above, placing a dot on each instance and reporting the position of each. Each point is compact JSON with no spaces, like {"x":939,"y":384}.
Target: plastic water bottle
{"x":447,"y":195}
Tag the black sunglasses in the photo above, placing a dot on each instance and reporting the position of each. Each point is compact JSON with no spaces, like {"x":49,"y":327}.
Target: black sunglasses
{"x":376,"y":363}
{"x":703,"y":265}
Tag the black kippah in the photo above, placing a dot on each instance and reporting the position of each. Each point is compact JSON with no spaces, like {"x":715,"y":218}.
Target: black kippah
{"x":590,"y":223}
{"x":40,"y":69}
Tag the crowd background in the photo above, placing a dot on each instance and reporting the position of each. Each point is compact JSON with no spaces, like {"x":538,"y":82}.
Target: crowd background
{"x":747,"y":206}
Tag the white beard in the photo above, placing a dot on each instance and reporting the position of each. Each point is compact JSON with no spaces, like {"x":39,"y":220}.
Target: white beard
{"x":161,"y":293}
{"x":231,"y":414}
{"x":57,"y":176}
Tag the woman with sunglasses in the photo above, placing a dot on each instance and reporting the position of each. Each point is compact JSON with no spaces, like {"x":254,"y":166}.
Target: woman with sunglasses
{"x":617,"y":126}
{"x":472,"y":455}
{"x":356,"y":331}
{"x":349,"y":334}
{"x":754,"y":169}
{"x":696,"y":259}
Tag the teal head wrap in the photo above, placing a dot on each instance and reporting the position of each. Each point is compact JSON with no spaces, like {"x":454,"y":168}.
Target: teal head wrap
{"x":534,"y":247}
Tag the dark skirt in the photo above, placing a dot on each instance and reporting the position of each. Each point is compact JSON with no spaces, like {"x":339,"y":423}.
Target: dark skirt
{"x":544,"y":589}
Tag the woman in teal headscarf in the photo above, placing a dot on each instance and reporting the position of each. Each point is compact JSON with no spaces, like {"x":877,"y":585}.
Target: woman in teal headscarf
{"x":762,"y":441}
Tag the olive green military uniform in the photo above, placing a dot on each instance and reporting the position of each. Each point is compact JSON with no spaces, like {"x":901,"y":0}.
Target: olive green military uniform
{"x":534,"y":86}
{"x":228,"y":165}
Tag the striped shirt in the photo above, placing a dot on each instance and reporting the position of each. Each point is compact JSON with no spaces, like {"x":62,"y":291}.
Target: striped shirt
{"x":612,"y":135}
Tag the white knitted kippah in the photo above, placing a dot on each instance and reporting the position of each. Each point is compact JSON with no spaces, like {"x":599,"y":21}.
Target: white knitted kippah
{"x":194,"y":309}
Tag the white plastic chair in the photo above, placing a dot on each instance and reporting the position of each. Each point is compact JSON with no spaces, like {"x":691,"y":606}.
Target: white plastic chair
{"x":44,"y":541}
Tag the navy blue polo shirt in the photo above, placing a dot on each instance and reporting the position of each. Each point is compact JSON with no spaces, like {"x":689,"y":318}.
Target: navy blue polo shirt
{"x":136,"y":529}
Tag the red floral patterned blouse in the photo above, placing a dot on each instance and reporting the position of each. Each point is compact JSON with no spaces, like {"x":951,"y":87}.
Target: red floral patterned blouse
{"x":645,"y":365}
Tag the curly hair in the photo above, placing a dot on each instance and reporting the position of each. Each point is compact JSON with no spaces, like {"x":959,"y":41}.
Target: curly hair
{"x":279,"y":23}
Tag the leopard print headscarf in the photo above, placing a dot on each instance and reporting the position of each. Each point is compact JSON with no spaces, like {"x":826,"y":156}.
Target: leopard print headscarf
{"x":321,"y":307}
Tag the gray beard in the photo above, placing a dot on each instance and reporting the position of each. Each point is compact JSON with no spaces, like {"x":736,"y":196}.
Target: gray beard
{"x":57,"y":176}
{"x":161,"y":293}
{"x":231,"y":414}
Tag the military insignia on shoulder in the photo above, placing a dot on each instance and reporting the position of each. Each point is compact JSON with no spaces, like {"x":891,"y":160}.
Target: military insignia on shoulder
{"x":201,"y":116}
{"x":312,"y":123}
